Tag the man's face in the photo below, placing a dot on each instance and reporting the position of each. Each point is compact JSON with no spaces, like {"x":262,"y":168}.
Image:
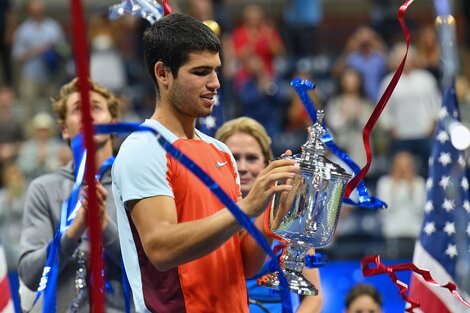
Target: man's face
{"x":192,"y":93}
{"x":73,"y":117}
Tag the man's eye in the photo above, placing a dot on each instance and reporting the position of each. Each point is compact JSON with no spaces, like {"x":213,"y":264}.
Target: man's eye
{"x":201,"y":73}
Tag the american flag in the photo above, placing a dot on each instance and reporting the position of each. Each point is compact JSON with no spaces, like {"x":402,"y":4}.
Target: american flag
{"x":209,"y":124}
{"x":443,"y":246}
{"x":6,"y":302}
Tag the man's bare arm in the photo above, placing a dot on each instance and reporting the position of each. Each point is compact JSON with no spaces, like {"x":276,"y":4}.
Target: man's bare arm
{"x":168,"y":243}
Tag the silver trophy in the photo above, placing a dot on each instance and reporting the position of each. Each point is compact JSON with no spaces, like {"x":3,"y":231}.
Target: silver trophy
{"x":306,"y":217}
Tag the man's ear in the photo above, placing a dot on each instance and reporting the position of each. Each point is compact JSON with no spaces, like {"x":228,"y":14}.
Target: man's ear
{"x":161,"y":73}
{"x":64,"y":132}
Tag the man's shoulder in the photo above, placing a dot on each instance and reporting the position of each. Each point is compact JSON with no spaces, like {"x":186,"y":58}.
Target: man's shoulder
{"x":211,"y":140}
{"x":52,"y":180}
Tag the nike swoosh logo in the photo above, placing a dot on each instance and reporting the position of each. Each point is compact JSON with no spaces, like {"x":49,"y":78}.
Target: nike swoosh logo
{"x":220,"y":164}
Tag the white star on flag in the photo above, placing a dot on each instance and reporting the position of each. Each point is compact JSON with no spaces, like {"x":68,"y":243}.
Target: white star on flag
{"x":461,"y":161}
{"x":210,"y":121}
{"x":442,"y":136}
{"x":443,"y":113}
{"x":429,"y":183}
{"x":444,"y":182}
{"x":445,"y":158}
{"x":428,"y":207}
{"x":451,"y":250}
{"x":429,"y":228}
{"x":464,"y":183}
{"x":448,"y":205}
{"x":466,"y":206}
{"x":449,"y":228}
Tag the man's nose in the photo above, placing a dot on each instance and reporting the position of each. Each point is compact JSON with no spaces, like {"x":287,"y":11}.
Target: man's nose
{"x":213,"y":83}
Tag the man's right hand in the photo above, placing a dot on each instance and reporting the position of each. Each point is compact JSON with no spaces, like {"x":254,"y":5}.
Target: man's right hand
{"x":264,"y":187}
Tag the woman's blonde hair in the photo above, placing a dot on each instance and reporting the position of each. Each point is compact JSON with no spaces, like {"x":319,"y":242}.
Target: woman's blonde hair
{"x":248,"y":126}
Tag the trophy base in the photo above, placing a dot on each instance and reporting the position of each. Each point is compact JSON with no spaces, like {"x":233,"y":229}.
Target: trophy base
{"x":297,"y":283}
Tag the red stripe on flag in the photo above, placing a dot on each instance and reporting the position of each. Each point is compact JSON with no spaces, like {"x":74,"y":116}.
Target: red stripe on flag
{"x":5,"y":297}
{"x":429,"y":302}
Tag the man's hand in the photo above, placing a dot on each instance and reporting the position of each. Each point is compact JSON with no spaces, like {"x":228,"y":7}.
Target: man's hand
{"x":79,"y":224}
{"x":264,"y":187}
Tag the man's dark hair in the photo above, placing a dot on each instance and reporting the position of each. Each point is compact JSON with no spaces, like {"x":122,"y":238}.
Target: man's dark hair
{"x":172,"y":38}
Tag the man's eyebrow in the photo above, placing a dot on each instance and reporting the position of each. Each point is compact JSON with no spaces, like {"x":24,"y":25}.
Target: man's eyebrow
{"x":206,"y":67}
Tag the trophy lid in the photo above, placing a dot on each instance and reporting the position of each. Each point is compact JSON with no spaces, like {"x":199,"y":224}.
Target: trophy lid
{"x":313,"y":150}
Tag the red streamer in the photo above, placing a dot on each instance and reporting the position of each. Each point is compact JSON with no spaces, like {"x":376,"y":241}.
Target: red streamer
{"x":283,"y":243}
{"x":94,"y":228}
{"x":380,"y":268}
{"x":166,"y":8}
{"x":381,"y":104}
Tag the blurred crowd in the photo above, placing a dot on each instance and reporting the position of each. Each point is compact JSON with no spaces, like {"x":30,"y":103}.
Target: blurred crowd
{"x":264,"y":48}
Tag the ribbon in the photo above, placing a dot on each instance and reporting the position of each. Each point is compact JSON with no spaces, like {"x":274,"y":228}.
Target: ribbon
{"x":48,"y":282}
{"x":69,"y":209}
{"x":315,"y":260}
{"x":241,"y":217}
{"x":93,"y":221}
{"x":166,"y":8}
{"x":354,"y":182}
{"x":380,"y":268}
{"x":365,"y":200}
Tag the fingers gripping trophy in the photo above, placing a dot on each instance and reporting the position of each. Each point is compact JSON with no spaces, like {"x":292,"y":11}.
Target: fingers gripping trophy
{"x":306,"y":217}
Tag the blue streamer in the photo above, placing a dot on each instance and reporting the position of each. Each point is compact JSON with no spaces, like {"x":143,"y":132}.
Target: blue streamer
{"x":241,"y":217}
{"x":69,"y":209}
{"x":48,"y":282}
{"x":365,"y":200}
{"x":315,"y":260}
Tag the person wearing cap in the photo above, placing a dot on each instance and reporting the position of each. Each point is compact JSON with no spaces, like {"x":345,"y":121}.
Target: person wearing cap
{"x":39,"y":154}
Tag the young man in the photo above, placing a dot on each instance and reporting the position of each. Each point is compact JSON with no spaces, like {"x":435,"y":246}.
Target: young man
{"x":182,"y":249}
{"x":43,"y":208}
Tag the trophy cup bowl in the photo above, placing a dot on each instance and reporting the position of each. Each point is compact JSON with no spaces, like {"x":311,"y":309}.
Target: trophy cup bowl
{"x":306,"y":217}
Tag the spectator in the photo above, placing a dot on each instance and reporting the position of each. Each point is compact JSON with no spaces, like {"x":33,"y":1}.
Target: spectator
{"x":412,"y":110}
{"x":44,"y":201}
{"x":260,"y":93}
{"x":12,"y":196}
{"x":347,"y":114}
{"x":300,"y":25}
{"x":428,"y":53}
{"x":365,"y":52}
{"x":39,"y":155}
{"x":11,"y":128}
{"x":5,"y":66}
{"x":35,"y":46}
{"x":256,"y":44}
{"x":106,"y":63}
{"x":405,"y":193}
{"x":363,"y":298}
